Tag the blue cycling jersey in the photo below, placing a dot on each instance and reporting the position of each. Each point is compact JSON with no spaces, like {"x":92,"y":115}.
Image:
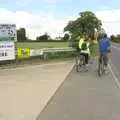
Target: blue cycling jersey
{"x":104,"y":46}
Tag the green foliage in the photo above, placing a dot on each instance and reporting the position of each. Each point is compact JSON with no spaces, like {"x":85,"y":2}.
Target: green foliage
{"x":66,"y":37}
{"x":21,"y":35}
{"x":85,"y":24}
{"x":115,"y":38}
{"x":44,"y":37}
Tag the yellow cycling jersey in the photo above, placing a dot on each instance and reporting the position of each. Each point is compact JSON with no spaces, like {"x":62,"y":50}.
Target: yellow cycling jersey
{"x":87,"y":51}
{"x":81,"y":42}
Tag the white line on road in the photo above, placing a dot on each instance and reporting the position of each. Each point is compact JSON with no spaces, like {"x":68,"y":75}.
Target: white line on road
{"x":114,"y":76}
{"x":116,"y":47}
{"x":115,"y":44}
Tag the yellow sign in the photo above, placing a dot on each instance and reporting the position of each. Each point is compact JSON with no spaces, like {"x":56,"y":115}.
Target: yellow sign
{"x":23,"y":52}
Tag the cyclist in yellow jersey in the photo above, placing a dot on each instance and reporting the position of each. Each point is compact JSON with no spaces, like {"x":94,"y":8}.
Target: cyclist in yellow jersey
{"x":84,"y":48}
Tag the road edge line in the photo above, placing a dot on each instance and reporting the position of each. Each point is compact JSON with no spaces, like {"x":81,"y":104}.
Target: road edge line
{"x":114,"y":76}
{"x":112,"y":73}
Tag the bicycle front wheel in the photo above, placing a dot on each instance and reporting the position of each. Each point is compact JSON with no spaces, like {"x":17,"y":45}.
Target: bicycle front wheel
{"x":101,"y":67}
{"x":77,"y":63}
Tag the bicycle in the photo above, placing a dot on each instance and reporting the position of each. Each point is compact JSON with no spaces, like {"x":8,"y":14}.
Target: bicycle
{"x":101,"y":65}
{"x":80,"y":61}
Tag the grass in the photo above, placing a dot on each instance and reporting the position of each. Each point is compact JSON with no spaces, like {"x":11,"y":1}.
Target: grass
{"x":39,"y":45}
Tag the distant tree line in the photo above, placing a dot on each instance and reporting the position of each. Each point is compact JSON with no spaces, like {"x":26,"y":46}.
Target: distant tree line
{"x":115,"y":38}
{"x":21,"y":37}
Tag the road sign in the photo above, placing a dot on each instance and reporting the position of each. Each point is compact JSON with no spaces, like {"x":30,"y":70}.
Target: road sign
{"x":7,"y":51}
{"x":23,"y":52}
{"x":8,"y":32}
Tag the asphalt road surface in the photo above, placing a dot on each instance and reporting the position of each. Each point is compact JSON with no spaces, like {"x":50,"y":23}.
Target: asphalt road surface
{"x":85,"y":96}
{"x":115,"y":57}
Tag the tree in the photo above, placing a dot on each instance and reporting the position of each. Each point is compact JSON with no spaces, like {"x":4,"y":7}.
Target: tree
{"x":43,"y":37}
{"x":66,"y":37}
{"x":85,"y":24}
{"x":112,"y":37}
{"x":21,"y":35}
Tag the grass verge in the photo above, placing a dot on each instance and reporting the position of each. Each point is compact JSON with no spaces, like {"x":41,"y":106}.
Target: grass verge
{"x":38,"y":45}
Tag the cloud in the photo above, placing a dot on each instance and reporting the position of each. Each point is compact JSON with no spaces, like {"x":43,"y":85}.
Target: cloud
{"x":38,"y":23}
{"x":110,"y":20}
{"x":35,"y":23}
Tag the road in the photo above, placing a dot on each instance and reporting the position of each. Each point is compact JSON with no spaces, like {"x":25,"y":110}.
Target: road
{"x":115,"y":57}
{"x":85,"y":96}
{"x":24,"y":91}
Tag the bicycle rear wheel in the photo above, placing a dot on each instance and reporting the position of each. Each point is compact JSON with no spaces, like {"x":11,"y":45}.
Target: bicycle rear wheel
{"x":101,"y":66}
{"x":82,"y":60}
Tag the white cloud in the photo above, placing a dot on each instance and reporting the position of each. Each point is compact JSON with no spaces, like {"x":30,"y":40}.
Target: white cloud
{"x":35,"y":23}
{"x":110,"y":20}
{"x":39,"y":23}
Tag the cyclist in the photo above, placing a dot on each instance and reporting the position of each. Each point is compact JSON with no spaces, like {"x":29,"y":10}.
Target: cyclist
{"x":84,"y":49}
{"x":104,"y":49}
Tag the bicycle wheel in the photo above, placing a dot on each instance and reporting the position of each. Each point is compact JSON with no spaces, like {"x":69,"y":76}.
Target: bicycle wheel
{"x":82,"y":60}
{"x":99,"y":69}
{"x":77,"y":59}
{"x":101,"y":66}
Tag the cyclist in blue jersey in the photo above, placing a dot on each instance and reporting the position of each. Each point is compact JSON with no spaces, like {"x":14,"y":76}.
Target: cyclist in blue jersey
{"x":104,"y":48}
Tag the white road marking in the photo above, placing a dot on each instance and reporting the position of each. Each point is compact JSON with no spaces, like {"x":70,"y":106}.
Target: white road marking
{"x":116,"y":47}
{"x":114,"y":76}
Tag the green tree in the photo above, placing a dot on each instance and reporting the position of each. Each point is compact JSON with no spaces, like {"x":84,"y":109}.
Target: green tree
{"x":86,"y":23}
{"x":66,"y":37}
{"x":21,"y":35}
{"x":115,"y":38}
{"x":44,"y":37}
{"x":112,"y":37}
